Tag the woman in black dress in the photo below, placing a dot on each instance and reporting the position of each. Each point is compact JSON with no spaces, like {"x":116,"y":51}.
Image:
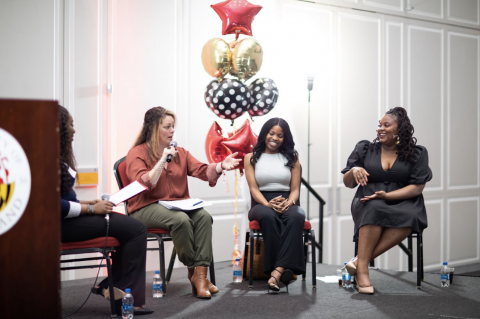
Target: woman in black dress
{"x":388,"y":205}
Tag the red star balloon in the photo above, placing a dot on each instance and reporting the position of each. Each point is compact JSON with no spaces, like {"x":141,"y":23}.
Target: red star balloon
{"x":237,"y":16}
{"x":218,"y":147}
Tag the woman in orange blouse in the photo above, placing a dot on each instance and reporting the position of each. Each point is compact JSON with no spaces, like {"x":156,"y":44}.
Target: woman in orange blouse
{"x":191,"y":231}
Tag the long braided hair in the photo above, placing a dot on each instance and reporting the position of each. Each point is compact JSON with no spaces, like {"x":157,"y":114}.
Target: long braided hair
{"x":287,"y":148}
{"x":66,"y":152}
{"x":149,"y":133}
{"x":406,"y":145}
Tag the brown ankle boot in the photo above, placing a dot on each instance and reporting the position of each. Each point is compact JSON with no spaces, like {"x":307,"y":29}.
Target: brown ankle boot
{"x":200,"y":283}
{"x":211,"y":287}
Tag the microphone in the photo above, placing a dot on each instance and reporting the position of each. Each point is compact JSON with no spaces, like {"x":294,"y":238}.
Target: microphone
{"x":169,"y":157}
{"x":107,"y":216}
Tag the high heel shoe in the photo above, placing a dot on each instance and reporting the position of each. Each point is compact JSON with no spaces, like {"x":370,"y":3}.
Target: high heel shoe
{"x":287,"y":277}
{"x":199,"y":283}
{"x":118,"y":293}
{"x":366,"y":290}
{"x":211,"y":287}
{"x":351,"y":268}
{"x":273,"y":286}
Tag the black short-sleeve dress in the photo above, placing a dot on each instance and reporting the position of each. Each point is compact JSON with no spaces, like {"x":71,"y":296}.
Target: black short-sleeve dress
{"x":400,"y":213}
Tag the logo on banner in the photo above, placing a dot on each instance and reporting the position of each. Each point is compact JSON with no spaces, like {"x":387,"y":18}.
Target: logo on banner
{"x":15,"y":181}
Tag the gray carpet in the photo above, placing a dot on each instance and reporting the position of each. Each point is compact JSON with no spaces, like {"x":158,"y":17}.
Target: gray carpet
{"x":395,"y":296}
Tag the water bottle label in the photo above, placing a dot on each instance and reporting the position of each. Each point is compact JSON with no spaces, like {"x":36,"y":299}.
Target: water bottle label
{"x":127,"y":307}
{"x":445,"y":277}
{"x":237,"y":273}
{"x":348,"y":277}
{"x":157,"y":287}
{"x":343,"y":276}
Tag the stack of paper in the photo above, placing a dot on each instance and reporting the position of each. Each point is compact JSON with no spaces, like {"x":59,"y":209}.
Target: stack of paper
{"x":184,"y":204}
{"x":129,"y":191}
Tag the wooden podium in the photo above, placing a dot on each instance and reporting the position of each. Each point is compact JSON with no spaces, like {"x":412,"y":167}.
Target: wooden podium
{"x":30,"y":248}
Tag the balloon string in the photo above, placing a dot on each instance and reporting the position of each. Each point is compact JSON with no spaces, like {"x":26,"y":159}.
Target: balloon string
{"x":225,"y":182}
{"x":236,"y":251}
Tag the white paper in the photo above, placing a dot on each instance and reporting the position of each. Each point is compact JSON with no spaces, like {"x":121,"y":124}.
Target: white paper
{"x":127,"y":192}
{"x":328,"y":279}
{"x":184,"y":204}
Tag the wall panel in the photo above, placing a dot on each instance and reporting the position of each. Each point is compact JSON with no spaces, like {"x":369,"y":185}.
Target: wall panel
{"x":425,"y":86}
{"x":463,"y":111}
{"x":463,"y":229}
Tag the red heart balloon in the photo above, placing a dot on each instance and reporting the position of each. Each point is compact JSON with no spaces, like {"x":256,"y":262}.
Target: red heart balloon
{"x":237,"y":16}
{"x":218,"y":147}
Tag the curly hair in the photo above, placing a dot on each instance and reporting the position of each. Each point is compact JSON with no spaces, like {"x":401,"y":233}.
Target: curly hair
{"x":287,"y":148}
{"x":66,"y":152}
{"x":406,"y":143}
{"x":149,"y":133}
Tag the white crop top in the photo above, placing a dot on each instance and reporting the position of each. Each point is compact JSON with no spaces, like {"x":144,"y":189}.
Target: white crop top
{"x":271,"y":173}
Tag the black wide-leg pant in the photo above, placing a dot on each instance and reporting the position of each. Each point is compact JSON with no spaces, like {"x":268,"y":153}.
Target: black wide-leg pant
{"x":128,"y":265}
{"x":282,"y":235}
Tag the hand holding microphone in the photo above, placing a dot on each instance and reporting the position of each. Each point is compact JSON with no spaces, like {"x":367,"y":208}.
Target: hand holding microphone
{"x":169,"y":156}
{"x":105,"y":198}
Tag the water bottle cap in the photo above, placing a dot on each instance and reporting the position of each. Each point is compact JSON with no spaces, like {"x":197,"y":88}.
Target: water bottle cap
{"x":127,"y":290}
{"x":344,"y":264}
{"x":157,"y":271}
{"x":445,"y":263}
{"x":237,"y":259}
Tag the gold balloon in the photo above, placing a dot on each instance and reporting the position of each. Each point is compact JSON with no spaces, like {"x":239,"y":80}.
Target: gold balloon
{"x":247,"y":57}
{"x":216,"y":57}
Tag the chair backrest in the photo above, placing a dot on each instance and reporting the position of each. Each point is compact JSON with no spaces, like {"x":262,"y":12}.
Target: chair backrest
{"x":252,"y":201}
{"x":120,"y":172}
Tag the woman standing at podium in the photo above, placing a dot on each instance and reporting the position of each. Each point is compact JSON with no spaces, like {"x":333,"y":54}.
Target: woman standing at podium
{"x":191,"y":231}
{"x":84,"y":220}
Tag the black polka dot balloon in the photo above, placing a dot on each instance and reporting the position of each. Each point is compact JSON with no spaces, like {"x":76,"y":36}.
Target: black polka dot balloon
{"x":228,"y":99}
{"x":264,"y":97}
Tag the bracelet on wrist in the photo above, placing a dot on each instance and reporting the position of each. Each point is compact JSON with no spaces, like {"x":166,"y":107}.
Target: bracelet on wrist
{"x":88,"y":209}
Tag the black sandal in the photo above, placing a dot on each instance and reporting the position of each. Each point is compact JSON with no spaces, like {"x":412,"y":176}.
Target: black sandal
{"x":273,"y":286}
{"x":287,"y":277}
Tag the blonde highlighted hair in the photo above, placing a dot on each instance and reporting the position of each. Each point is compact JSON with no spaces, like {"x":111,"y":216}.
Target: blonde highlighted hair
{"x":149,"y":133}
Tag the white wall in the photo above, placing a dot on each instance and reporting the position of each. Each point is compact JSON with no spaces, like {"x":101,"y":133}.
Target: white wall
{"x":364,"y":64}
{"x":31,"y":48}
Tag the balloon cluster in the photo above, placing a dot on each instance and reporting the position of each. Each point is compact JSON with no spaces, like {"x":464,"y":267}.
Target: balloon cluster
{"x":242,"y":59}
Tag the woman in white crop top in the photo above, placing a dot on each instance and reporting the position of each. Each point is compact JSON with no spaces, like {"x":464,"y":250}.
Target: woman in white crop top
{"x":273,"y":176}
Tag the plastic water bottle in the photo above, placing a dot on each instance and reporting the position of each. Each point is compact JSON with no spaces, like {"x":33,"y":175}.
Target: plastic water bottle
{"x":157,"y":285}
{"x":237,"y":271}
{"x":445,"y":275}
{"x":127,"y":305}
{"x":346,"y":278}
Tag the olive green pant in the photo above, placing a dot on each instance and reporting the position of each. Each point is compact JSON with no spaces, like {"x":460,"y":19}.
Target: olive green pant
{"x":191,"y":231}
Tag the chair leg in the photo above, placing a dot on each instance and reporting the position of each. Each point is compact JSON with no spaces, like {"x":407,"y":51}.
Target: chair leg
{"x":410,"y":255}
{"x":113,"y":311}
{"x":419,"y":260}
{"x":305,"y":253}
{"x":314,"y":266}
{"x":212,"y":272}
{"x":170,"y":265}
{"x":421,"y":255}
{"x":162,"y":264}
{"x":252,"y":241}
{"x":245,"y":252}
